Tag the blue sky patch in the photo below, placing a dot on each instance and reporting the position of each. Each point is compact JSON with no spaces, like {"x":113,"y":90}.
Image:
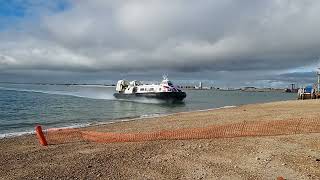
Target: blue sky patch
{"x":13,"y":11}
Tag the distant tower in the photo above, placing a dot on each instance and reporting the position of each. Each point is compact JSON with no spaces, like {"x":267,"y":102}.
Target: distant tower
{"x":200,"y":85}
{"x":293,"y":86}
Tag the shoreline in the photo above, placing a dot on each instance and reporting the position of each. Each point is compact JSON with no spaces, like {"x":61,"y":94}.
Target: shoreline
{"x":106,"y":122}
{"x":29,"y":129}
{"x":124,"y":119}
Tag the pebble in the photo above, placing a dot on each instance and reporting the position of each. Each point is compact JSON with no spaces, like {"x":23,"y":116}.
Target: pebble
{"x":257,"y":158}
{"x":318,"y":159}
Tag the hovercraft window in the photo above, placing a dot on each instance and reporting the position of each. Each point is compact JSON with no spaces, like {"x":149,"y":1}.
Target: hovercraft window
{"x":151,"y":89}
{"x":141,"y":89}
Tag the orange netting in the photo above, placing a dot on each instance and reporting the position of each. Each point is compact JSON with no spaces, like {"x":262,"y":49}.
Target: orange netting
{"x":266,"y":128}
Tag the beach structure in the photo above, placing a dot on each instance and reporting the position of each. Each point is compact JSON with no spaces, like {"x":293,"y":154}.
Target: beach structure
{"x":311,"y":91}
{"x":307,"y":92}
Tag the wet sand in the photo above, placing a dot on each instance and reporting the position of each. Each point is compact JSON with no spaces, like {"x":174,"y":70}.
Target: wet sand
{"x":289,"y":156}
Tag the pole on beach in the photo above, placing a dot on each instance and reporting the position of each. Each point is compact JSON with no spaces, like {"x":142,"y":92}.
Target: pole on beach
{"x":40,"y":135}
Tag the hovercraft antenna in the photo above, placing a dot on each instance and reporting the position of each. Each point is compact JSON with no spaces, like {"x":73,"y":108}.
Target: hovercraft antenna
{"x":165,"y":77}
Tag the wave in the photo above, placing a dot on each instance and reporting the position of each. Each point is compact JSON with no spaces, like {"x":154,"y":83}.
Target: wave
{"x":123,"y":119}
{"x":70,"y":126}
{"x":15,"y":134}
{"x":143,"y":100}
{"x":82,"y":94}
{"x":29,"y":132}
{"x":88,"y":93}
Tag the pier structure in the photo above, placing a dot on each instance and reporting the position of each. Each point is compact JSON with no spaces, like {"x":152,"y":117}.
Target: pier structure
{"x":311,"y":91}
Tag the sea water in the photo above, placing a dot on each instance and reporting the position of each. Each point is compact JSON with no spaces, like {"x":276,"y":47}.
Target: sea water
{"x":22,"y":106}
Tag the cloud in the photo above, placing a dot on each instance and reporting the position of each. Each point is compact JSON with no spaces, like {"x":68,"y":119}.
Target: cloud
{"x":183,"y":36}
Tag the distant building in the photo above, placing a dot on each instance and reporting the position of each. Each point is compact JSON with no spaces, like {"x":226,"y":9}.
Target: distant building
{"x":200,"y":86}
{"x":292,"y":89}
{"x":249,"y":89}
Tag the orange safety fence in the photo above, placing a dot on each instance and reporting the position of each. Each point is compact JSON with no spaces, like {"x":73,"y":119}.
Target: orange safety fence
{"x":257,"y":128}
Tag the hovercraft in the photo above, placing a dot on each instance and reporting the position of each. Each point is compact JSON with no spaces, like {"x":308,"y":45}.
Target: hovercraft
{"x":135,"y":89}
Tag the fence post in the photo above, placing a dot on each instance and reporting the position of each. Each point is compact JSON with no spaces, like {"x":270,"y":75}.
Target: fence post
{"x":40,"y":135}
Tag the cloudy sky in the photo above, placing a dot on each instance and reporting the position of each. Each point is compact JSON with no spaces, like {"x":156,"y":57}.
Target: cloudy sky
{"x":228,"y":43}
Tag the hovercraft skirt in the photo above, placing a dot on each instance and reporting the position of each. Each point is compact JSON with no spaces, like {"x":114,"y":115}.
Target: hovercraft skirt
{"x":175,"y":96}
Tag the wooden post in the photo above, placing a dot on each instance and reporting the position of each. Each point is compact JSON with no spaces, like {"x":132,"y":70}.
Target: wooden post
{"x":40,"y":135}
